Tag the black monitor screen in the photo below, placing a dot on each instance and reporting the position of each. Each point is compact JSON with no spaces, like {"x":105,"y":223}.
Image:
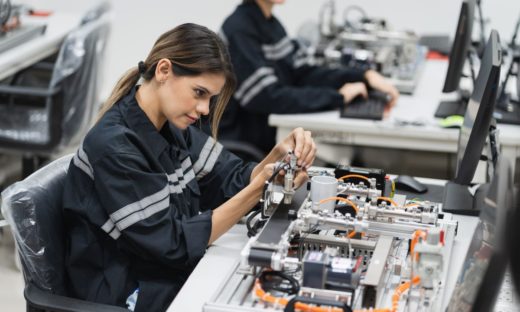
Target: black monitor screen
{"x":479,"y":280}
{"x":460,"y":46}
{"x":478,"y":115}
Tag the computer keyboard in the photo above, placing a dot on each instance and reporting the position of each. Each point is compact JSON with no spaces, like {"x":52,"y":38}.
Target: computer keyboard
{"x":372,"y":107}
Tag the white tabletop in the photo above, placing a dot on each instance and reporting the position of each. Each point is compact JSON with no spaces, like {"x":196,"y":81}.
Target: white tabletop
{"x":38,"y":48}
{"x":396,"y":130}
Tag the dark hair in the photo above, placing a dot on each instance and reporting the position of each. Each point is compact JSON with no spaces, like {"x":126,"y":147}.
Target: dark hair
{"x":193,"y":50}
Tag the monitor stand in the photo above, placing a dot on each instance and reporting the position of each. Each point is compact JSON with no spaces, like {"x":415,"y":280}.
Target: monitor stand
{"x":457,"y":107}
{"x":459,"y":200}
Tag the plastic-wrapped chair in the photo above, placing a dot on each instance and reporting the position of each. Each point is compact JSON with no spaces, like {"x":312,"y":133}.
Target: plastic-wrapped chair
{"x":49,"y":106}
{"x":33,"y":208}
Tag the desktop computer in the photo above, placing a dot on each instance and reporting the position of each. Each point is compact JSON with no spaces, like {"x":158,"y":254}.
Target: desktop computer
{"x":507,"y":110}
{"x":458,"y":55}
{"x":458,"y":198}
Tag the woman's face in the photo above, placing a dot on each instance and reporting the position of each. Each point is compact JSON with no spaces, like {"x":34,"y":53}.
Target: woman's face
{"x":183,"y":99}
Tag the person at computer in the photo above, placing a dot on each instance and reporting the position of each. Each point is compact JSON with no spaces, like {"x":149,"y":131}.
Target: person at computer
{"x":274,"y":79}
{"x":147,"y":191}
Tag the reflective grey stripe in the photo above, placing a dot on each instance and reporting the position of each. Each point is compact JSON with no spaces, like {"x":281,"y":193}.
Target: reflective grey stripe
{"x":261,"y":85}
{"x":175,"y":189}
{"x":82,"y":165}
{"x":279,"y":54}
{"x":223,"y":36}
{"x":277,"y":47}
{"x":143,"y":214}
{"x":115,"y":233}
{"x":180,"y":175}
{"x":186,"y":163}
{"x":250,"y":81}
{"x":300,"y":62}
{"x":174,"y":184}
{"x":148,"y":201}
{"x":190,"y":175}
{"x":83,"y":156}
{"x":212,"y":159}
{"x":110,"y":229}
{"x":204,"y":154}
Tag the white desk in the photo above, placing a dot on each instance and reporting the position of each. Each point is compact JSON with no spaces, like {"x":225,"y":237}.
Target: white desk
{"x":38,"y":48}
{"x":210,"y":273}
{"x":332,"y":133}
{"x":221,"y":258}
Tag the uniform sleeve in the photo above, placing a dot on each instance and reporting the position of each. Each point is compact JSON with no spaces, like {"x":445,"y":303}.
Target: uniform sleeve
{"x":142,"y":218}
{"x":219,"y":173}
{"x":260,"y":89}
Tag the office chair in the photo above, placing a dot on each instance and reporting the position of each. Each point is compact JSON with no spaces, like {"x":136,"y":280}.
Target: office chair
{"x":34,"y":211}
{"x":50,"y":105}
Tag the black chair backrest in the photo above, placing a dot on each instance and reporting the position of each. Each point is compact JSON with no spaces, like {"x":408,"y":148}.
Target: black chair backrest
{"x":78,"y":74}
{"x":33,"y":208}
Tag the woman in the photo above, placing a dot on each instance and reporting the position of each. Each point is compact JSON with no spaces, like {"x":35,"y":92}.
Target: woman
{"x":147,"y":192}
{"x":274,"y":79}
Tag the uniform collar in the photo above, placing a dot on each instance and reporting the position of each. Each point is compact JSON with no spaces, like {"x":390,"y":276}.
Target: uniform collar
{"x":137,"y":121}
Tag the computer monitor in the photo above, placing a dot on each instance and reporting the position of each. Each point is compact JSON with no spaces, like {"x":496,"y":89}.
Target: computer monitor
{"x":458,"y":54}
{"x":475,"y":130}
{"x":486,"y":260}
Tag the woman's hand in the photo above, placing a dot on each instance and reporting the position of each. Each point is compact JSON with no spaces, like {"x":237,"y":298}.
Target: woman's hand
{"x":300,"y":142}
{"x":378,"y":82}
{"x":352,"y":90}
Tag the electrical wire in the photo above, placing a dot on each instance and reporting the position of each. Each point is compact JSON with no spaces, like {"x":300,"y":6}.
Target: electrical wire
{"x":251,"y":230}
{"x":351,"y":203}
{"x":264,"y":296}
{"x":349,"y":176}
{"x":278,"y":281}
{"x":388,"y":199}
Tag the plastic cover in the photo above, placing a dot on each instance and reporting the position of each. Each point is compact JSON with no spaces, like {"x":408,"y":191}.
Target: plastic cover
{"x":32,"y":208}
{"x":78,"y":71}
{"x":61,"y":120}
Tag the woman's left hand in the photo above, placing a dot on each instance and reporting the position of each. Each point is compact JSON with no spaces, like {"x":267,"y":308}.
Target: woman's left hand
{"x":301,"y":143}
{"x":378,"y":82}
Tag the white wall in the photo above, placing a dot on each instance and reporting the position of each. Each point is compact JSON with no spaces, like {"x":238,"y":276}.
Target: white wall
{"x":138,"y":23}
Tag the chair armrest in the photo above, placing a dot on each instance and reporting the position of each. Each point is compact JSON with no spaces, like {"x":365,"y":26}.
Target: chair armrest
{"x":244,"y":148}
{"x":40,"y":299}
{"x":18,"y":90}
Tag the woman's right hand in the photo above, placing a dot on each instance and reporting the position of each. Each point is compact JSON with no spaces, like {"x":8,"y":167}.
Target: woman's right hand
{"x":352,"y":90}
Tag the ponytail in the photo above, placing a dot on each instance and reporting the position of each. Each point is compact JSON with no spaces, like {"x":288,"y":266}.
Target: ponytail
{"x":123,"y":86}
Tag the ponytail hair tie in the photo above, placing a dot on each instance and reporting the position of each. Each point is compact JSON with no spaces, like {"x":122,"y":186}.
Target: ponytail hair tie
{"x":141,"y":67}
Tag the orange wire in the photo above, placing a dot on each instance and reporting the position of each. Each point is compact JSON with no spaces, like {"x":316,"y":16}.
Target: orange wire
{"x":399,"y":290}
{"x":388,"y":199}
{"x":415,"y":238}
{"x":340,"y":199}
{"x":266,"y":297}
{"x":348,"y":176}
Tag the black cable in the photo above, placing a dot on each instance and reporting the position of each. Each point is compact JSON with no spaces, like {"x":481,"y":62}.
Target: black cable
{"x":251,"y":231}
{"x":278,"y":281}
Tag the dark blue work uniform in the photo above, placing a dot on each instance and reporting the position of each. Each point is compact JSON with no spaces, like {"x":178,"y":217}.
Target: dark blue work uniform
{"x":274,"y":77}
{"x":138,"y":206}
